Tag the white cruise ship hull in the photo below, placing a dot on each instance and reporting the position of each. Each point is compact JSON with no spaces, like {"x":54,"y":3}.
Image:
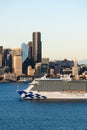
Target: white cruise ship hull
{"x":35,"y":95}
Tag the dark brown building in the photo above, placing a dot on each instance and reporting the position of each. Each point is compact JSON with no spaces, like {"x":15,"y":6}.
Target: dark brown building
{"x":36,"y":47}
{"x":30,"y":50}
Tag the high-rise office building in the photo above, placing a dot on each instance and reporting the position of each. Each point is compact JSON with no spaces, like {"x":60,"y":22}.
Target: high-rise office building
{"x":30,"y":50}
{"x":24,"y":47}
{"x":17,"y":61}
{"x":7,"y":58}
{"x":29,"y":61}
{"x":36,"y":47}
{"x":1,"y":55}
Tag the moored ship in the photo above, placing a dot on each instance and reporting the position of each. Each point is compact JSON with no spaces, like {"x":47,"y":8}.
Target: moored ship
{"x":55,"y":89}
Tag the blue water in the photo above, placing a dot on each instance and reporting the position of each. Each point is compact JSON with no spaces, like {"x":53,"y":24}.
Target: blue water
{"x":17,"y":114}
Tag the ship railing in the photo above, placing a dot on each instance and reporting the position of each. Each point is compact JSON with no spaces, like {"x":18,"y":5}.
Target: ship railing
{"x":73,"y":91}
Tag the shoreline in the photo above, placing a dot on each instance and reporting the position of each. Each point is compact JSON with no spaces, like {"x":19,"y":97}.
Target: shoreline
{"x":12,"y":82}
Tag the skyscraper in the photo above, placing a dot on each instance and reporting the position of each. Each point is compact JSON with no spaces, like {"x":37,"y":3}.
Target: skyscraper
{"x":24,"y":47}
{"x":36,"y":47}
{"x":7,"y":58}
{"x":17,"y":61}
{"x":30,"y":50}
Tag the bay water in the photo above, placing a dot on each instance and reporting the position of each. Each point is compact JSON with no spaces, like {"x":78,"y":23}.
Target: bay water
{"x":18,"y":114}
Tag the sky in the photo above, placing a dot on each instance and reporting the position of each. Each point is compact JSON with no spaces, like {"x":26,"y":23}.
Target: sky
{"x":62,"y":23}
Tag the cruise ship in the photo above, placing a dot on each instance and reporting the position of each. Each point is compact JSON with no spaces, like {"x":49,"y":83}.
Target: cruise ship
{"x":55,"y":89}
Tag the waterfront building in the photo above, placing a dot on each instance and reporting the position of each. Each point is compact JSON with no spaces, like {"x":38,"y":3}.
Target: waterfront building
{"x":1,"y":71}
{"x":30,"y":71}
{"x":36,"y":47}
{"x":1,"y":55}
{"x":45,"y":65}
{"x":51,"y":72}
{"x":44,"y":68}
{"x":38,"y":67}
{"x":10,"y":76}
{"x":57,"y":69}
{"x":60,"y":65}
{"x":17,"y":61}
{"x":38,"y":72}
{"x":67,"y":71}
{"x":25,"y":78}
{"x":65,"y":63}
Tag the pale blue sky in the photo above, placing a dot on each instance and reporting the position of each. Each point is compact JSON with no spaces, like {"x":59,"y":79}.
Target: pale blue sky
{"x":62,"y":23}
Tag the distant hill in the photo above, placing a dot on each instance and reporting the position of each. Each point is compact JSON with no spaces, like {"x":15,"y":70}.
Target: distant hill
{"x":83,"y":61}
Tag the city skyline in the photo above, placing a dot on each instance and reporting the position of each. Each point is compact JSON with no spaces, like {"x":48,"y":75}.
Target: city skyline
{"x":63,"y":25}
